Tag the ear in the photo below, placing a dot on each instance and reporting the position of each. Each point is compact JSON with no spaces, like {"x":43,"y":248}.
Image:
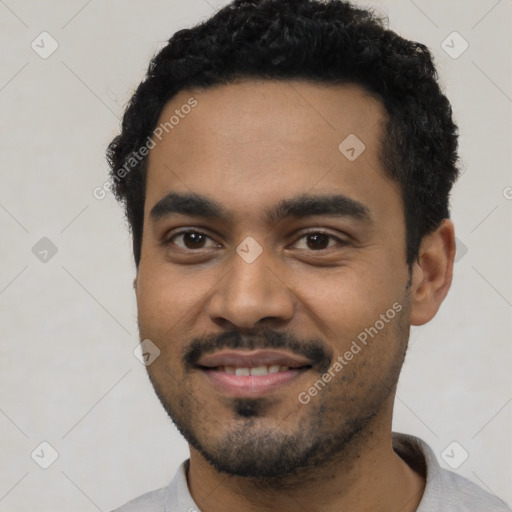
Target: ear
{"x":135,"y":284}
{"x":432,"y":273}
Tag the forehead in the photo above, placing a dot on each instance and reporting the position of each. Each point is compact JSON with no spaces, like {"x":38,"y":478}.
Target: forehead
{"x":249,"y":144}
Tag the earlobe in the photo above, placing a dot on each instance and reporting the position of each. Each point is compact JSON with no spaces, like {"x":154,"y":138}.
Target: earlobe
{"x":432,"y":273}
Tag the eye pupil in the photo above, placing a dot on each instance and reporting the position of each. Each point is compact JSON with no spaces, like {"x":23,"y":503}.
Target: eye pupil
{"x":193,"y":240}
{"x":317,"y":241}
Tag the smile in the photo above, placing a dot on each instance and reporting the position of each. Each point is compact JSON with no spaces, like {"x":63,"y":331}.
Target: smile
{"x":256,"y":371}
{"x":251,"y":373}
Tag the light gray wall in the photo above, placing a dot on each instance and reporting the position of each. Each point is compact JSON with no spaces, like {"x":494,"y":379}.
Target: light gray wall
{"x":67,"y":372}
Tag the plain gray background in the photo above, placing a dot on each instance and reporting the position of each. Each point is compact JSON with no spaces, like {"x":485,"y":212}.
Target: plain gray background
{"x":68,"y":375}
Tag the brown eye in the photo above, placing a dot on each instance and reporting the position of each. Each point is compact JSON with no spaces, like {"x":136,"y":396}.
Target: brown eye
{"x":193,"y":240}
{"x":190,"y":240}
{"x":318,"y":241}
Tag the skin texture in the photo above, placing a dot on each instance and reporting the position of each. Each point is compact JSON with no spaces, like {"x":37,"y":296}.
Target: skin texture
{"x":248,"y":146}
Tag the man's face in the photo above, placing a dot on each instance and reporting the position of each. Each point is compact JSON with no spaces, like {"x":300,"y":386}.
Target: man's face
{"x":262,"y":280}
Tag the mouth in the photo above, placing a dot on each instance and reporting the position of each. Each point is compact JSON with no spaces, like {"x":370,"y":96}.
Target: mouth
{"x":252,"y":373}
{"x":255,"y":371}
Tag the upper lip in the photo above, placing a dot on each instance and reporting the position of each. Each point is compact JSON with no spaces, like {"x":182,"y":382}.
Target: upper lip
{"x":252,"y":358}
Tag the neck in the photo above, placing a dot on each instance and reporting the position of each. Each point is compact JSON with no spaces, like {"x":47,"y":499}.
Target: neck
{"x":367,"y":476}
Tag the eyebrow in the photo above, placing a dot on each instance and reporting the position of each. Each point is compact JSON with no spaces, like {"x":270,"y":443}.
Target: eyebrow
{"x":305,"y":205}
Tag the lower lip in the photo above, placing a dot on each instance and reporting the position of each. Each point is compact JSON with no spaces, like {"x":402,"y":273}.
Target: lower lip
{"x":251,"y":385}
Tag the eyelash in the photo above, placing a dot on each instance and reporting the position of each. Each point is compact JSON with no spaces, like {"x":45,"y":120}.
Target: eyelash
{"x":170,"y":239}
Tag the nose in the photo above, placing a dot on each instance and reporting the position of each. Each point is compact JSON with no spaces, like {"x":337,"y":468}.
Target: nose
{"x":251,"y":294}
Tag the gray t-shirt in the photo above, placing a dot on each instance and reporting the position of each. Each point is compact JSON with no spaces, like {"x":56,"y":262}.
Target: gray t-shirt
{"x":445,"y":491}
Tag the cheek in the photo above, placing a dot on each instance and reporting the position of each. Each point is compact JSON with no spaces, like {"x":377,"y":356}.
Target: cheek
{"x":349,"y":301}
{"x":167,"y":300}
{"x":356,"y":289}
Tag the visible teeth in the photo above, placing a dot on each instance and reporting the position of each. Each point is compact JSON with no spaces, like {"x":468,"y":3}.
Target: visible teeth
{"x":259,"y":370}
{"x":256,"y":370}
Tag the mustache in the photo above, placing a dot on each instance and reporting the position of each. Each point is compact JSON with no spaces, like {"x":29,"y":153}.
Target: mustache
{"x":313,"y":349}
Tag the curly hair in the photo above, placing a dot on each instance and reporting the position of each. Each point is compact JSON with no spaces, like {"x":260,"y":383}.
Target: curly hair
{"x":329,"y":42}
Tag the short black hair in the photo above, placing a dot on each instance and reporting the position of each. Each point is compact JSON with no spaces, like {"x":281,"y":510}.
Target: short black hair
{"x":327,"y":42}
